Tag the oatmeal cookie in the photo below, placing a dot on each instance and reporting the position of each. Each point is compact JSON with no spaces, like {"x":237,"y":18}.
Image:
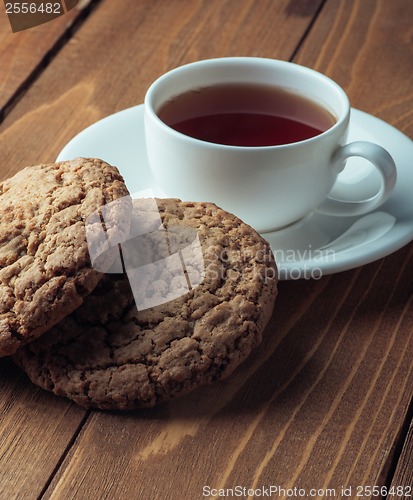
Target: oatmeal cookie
{"x":110,"y":355}
{"x":45,"y":267}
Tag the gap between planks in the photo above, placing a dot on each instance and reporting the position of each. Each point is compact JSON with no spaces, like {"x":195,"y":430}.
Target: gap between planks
{"x":48,"y":58}
{"x":65,"y":453}
{"x":307,"y":31}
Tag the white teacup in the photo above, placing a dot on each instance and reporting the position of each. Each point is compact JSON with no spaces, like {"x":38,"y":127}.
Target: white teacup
{"x":268,"y":187}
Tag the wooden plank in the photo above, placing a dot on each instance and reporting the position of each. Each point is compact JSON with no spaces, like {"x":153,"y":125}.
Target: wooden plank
{"x":23,"y":53}
{"x":35,"y":429}
{"x":365,"y":45}
{"x":402,"y":484}
{"x":375,"y":68}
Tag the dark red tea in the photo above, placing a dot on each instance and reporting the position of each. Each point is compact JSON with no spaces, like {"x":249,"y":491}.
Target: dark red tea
{"x":246,"y":115}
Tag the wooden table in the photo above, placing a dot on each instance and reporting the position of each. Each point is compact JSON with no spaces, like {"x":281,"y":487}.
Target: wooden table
{"x":326,"y":403}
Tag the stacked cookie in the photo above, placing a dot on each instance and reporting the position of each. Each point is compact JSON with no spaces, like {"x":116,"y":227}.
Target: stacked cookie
{"x":129,"y":307}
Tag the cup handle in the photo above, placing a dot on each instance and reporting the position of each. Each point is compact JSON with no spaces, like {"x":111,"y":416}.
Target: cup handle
{"x":385,"y":165}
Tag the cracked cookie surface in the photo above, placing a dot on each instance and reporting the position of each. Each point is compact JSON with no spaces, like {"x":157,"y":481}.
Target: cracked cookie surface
{"x":109,"y":355}
{"x":45,"y":269}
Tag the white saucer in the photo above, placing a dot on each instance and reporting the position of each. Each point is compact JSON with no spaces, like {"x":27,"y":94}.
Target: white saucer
{"x":317,"y":245}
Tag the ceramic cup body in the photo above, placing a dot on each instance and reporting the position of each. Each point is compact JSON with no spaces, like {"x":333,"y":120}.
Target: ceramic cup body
{"x":268,"y":187}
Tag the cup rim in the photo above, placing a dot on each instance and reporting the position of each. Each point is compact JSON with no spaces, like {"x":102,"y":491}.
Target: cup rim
{"x":149,"y":108}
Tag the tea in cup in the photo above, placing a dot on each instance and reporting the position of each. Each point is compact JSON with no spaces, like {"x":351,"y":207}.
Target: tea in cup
{"x":262,"y":138}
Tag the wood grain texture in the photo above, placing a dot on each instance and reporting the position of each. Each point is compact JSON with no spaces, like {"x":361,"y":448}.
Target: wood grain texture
{"x":35,"y":429}
{"x":402,"y":482}
{"x":321,"y":402}
{"x":24,"y":53}
{"x":366,"y":46}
